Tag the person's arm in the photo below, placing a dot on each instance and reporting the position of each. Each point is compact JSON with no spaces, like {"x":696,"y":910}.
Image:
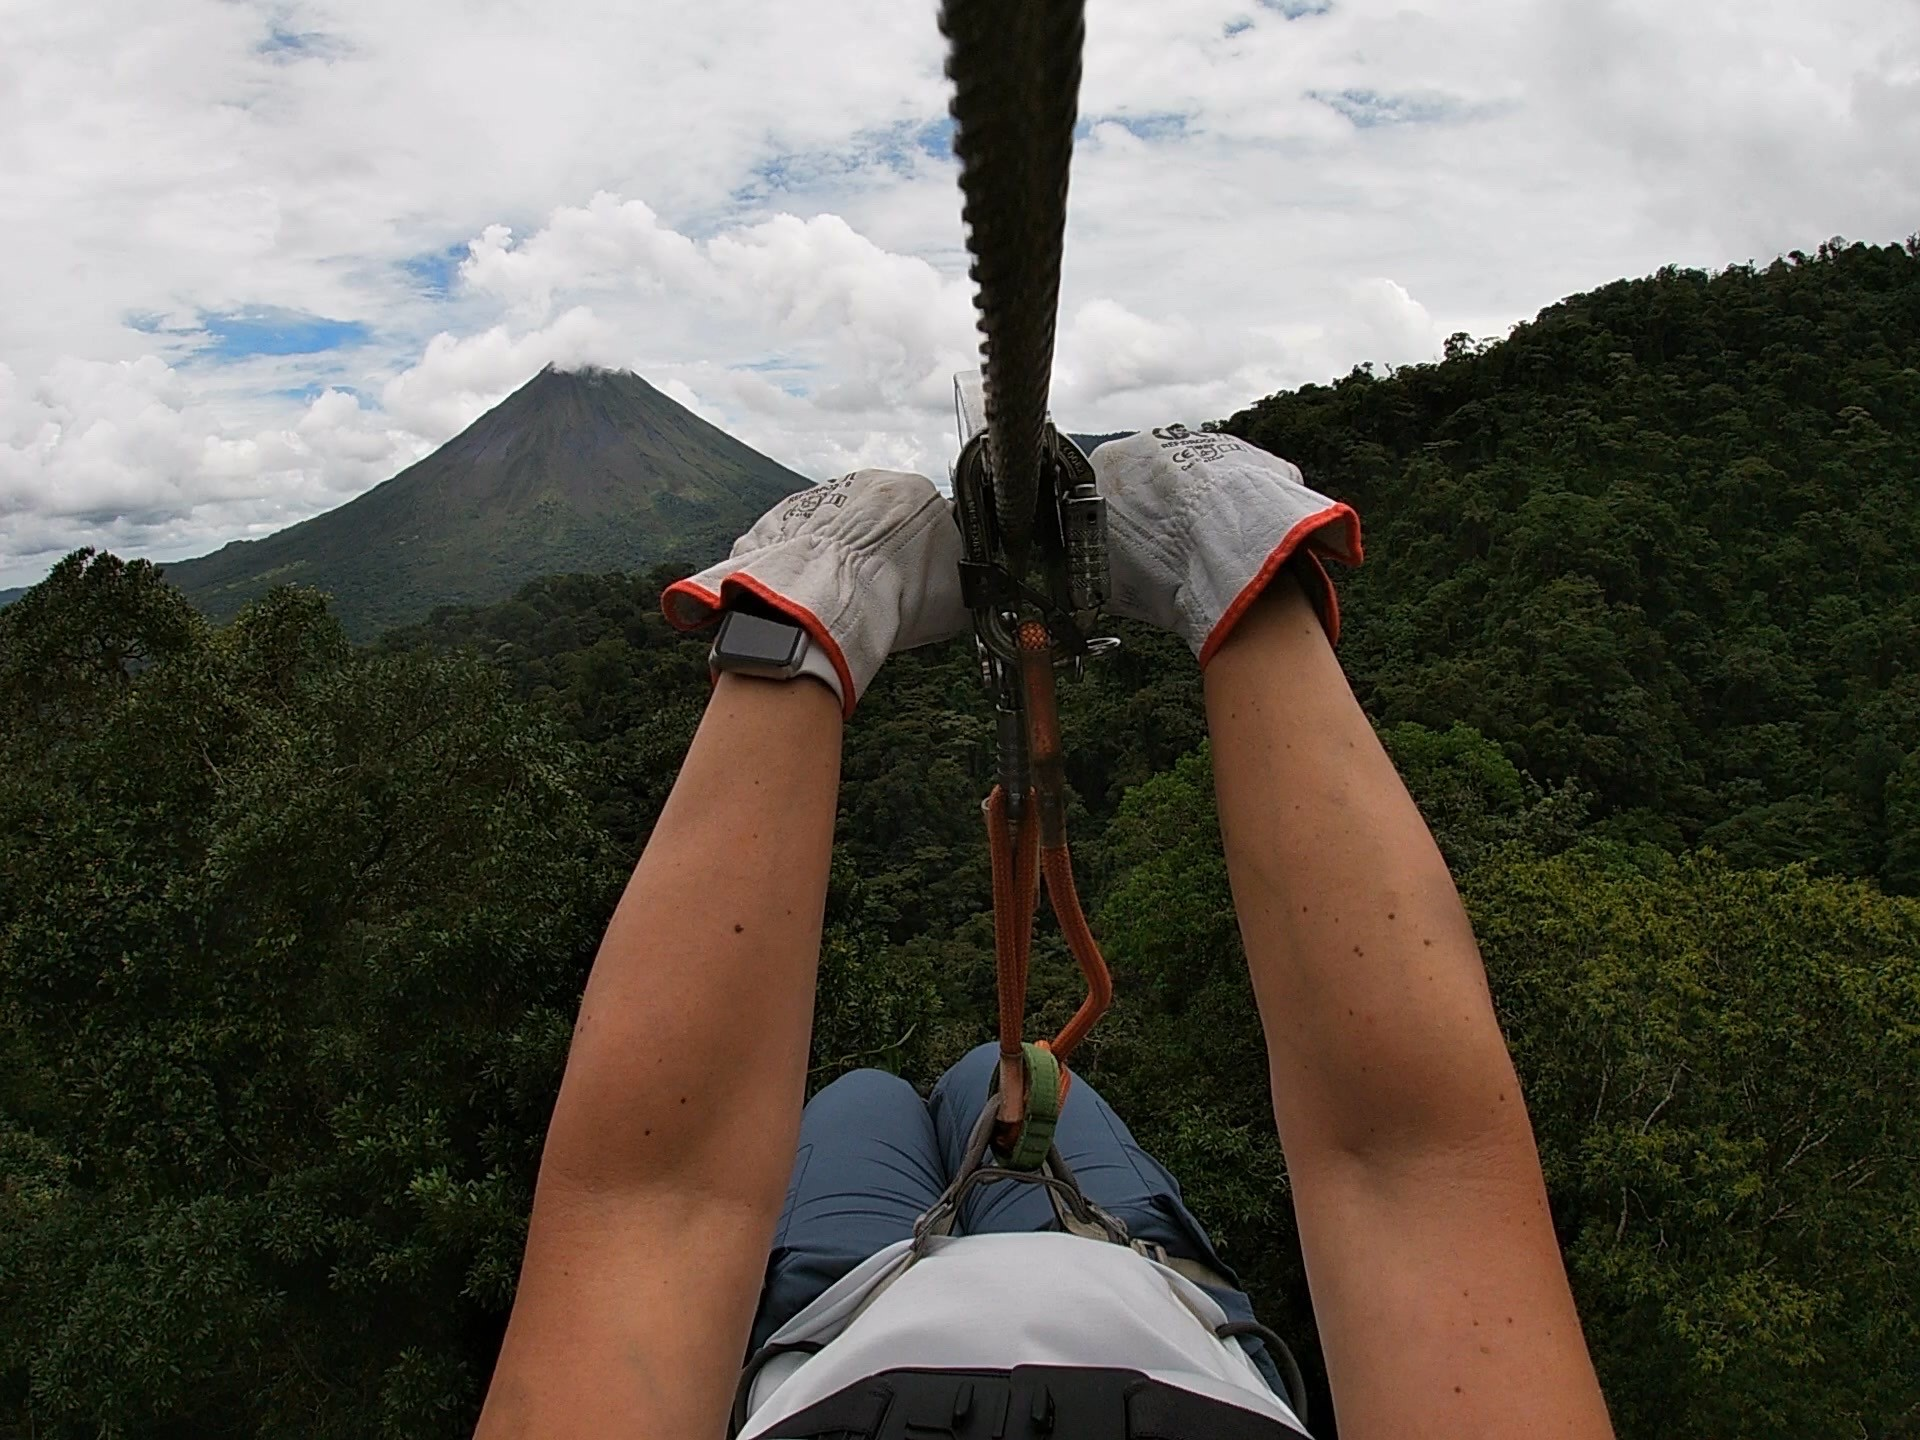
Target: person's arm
{"x":1438,"y":1287}
{"x":667,"y":1160}
{"x":671,"y":1144}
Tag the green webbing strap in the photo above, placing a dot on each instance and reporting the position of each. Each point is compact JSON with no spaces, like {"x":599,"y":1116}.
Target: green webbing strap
{"x":1044,"y":1077}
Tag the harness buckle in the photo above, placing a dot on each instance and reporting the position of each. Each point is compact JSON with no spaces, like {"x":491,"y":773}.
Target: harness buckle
{"x":1076,"y":1213}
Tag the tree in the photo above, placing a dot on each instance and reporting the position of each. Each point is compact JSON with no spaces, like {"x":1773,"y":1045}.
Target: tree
{"x":1658,"y":543}
{"x":1723,"y":1067}
{"x":290,"y":942}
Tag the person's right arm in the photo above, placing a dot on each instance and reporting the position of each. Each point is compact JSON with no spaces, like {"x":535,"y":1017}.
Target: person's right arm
{"x":1441,"y":1298}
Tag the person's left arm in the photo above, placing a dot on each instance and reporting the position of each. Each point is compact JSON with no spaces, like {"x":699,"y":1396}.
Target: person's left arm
{"x":667,"y":1159}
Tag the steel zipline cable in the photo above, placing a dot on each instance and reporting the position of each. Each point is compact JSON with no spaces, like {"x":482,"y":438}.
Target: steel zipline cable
{"x":1015,"y":67}
{"x":1028,"y":507}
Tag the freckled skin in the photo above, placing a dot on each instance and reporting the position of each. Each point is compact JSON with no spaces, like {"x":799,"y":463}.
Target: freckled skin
{"x":1414,"y":1180}
{"x":652,"y":1216}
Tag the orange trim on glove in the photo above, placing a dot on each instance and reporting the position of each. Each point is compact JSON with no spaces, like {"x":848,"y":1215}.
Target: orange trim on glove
{"x":708,"y":602}
{"x":1347,"y":549}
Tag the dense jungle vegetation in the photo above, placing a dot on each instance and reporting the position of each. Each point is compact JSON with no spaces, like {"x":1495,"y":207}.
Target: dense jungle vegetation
{"x":291,"y":931}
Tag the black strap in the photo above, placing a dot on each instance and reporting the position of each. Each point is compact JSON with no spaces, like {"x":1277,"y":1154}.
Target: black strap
{"x":1029,"y":1402}
{"x":1282,"y":1355}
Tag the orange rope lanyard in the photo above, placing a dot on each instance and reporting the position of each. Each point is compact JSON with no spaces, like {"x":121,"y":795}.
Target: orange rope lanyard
{"x":1021,"y":855}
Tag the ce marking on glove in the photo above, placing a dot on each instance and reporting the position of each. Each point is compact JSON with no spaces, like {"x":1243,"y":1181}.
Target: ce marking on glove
{"x":1192,"y":448}
{"x":808,"y":501}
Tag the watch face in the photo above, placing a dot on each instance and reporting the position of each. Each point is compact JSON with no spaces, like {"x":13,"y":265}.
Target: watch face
{"x":751,"y":640}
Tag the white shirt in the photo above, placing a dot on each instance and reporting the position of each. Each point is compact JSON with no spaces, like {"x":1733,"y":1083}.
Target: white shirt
{"x":994,"y":1302}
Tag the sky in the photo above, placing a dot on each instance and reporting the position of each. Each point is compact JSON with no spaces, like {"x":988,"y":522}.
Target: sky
{"x":261,"y":254}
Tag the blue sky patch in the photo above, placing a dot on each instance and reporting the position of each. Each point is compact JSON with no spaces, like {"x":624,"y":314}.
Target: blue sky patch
{"x":899,"y":149}
{"x":1236,"y":27}
{"x":794,"y":169}
{"x":784,"y":372}
{"x":1368,"y":109}
{"x":284,"y":46}
{"x":1157,"y":125}
{"x":899,"y":146}
{"x":434,"y":272}
{"x":774,"y":174}
{"x":1296,"y":9}
{"x":266,"y":330}
{"x":935,"y":138}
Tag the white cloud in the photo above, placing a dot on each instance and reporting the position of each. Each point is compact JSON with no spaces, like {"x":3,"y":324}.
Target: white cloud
{"x":747,"y":203}
{"x":1401,"y":329}
{"x":609,"y":244}
{"x":459,"y":378}
{"x":123,"y":455}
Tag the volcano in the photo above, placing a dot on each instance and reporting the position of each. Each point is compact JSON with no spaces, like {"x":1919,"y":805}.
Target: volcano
{"x":576,"y":471}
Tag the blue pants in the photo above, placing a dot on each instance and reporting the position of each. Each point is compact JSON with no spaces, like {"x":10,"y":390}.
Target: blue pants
{"x":873,"y":1155}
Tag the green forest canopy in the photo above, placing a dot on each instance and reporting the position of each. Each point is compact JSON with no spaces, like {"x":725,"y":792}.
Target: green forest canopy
{"x":291,"y":931}
{"x":1659,"y":542}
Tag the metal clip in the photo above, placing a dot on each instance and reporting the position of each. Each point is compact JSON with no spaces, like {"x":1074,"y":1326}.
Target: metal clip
{"x":1084,"y":519}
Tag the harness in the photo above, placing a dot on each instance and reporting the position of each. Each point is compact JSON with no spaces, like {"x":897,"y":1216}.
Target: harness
{"x":1030,"y":1402}
{"x":1055,"y":1402}
{"x":1078,"y":1215}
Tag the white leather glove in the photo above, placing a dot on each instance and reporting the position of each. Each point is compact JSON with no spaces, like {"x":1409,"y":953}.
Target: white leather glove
{"x":1198,"y":524}
{"x":866,"y":565}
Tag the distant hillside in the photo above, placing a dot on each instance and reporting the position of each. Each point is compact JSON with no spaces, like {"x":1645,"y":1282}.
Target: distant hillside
{"x":1663,"y":541}
{"x":7,"y":597}
{"x":587,"y":471}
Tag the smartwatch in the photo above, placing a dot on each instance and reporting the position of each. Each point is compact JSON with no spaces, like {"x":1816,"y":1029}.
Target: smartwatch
{"x":759,"y":644}
{"x":758,"y":640}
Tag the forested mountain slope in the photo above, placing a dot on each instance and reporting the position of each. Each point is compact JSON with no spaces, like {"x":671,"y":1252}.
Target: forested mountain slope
{"x":1663,"y":541}
{"x":576,"y":470}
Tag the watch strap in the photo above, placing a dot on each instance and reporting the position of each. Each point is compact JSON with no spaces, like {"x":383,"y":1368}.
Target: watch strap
{"x":818,"y":665}
{"x":815,"y":661}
